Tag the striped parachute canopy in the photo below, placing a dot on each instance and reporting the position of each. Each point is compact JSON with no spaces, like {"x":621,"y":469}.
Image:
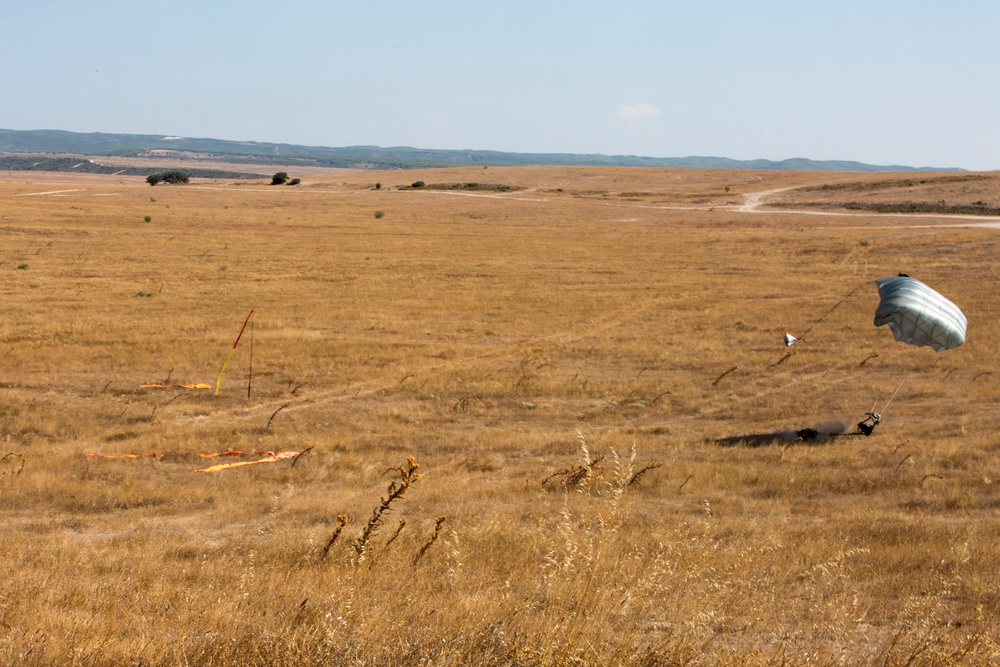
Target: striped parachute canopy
{"x":918,"y":315}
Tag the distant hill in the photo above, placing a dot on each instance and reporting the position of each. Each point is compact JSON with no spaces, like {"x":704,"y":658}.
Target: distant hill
{"x":58,"y":142}
{"x":83,"y":165}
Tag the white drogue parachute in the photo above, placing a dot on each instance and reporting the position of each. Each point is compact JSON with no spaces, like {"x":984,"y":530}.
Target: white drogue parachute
{"x":918,"y":315}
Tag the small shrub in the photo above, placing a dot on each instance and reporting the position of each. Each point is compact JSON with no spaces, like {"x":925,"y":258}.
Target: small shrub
{"x":148,"y":218}
{"x":22,"y":266}
{"x":379,"y":215}
{"x":144,"y":293}
{"x":378,"y":186}
{"x":418,"y":184}
{"x":295,"y":181}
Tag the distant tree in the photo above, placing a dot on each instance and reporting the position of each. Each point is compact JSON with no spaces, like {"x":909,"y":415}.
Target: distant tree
{"x":418,"y":184}
{"x":280,"y":178}
{"x":295,"y":181}
{"x":175,"y":176}
{"x":378,"y":186}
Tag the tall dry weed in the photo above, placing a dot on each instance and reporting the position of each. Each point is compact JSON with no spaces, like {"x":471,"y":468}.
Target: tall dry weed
{"x":408,"y":475}
{"x":578,"y":565}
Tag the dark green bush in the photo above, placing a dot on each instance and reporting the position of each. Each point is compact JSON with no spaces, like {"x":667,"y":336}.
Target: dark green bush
{"x":173,"y":176}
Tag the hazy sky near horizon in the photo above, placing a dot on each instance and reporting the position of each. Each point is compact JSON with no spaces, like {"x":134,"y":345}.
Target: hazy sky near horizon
{"x":886,"y":82}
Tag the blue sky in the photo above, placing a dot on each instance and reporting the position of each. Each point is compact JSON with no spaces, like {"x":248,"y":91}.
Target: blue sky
{"x":912,"y":83}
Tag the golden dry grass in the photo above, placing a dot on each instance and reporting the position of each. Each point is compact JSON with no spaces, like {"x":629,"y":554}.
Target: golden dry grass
{"x":532,"y":351}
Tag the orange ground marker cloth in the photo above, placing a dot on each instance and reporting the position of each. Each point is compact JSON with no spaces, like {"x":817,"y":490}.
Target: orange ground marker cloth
{"x":155,"y":455}
{"x":279,"y":456}
{"x":267,"y":457}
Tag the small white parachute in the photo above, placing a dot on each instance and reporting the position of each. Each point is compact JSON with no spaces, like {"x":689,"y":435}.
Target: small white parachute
{"x":918,"y":315}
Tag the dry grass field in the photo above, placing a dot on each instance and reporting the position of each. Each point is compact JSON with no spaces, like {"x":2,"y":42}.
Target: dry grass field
{"x":547,"y":426}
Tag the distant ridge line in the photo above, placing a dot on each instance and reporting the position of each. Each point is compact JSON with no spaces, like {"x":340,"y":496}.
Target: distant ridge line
{"x":62,"y":142}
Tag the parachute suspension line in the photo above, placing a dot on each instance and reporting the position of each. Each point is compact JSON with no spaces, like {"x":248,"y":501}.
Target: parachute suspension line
{"x":789,"y":339}
{"x":885,"y":407}
{"x":872,"y":419}
{"x":835,"y":306}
